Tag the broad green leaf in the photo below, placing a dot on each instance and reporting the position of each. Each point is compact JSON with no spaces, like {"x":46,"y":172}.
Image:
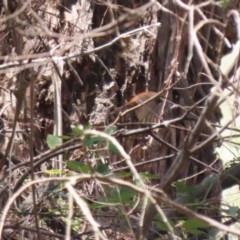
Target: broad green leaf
{"x":53,"y":141}
{"x":78,"y":131}
{"x":54,"y":171}
{"x":214,"y":233}
{"x":112,"y":148}
{"x":192,"y":226}
{"x":110,"y":130}
{"x":183,"y":188}
{"x":195,"y":231}
{"x":102,"y":168}
{"x":97,"y":205}
{"x":126,"y":194}
{"x":114,"y":195}
{"x":162,"y":226}
{"x":233,"y":211}
{"x":194,"y":223}
{"x":87,"y":127}
{"x":149,"y":176}
{"x":224,"y":3}
{"x":78,"y":167}
{"x":121,"y":195}
{"x":185,"y":192}
{"x":124,"y":175}
{"x":89,"y":140}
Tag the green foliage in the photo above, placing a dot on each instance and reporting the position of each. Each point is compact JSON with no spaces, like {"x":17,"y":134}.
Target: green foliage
{"x":64,"y":137}
{"x":110,"y":130}
{"x":79,"y":167}
{"x":89,"y":141}
{"x":194,"y":226}
{"x":53,"y":172}
{"x":53,"y":141}
{"x":78,"y":131}
{"x":181,"y":187}
{"x":113,"y":149}
{"x":98,"y":205}
{"x":118,"y":196}
{"x":123,"y":175}
{"x":224,"y":3}
{"x":148,"y":176}
{"x":162,"y":226}
{"x":76,"y":224}
{"x":102,"y":168}
{"x":185,"y":192}
{"x":232,"y":211}
{"x":122,"y":195}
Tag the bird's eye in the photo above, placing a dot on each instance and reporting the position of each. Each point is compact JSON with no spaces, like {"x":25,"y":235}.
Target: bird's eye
{"x":158,"y":100}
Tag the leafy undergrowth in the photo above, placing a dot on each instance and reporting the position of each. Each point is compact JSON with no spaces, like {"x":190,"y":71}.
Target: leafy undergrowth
{"x":88,"y":198}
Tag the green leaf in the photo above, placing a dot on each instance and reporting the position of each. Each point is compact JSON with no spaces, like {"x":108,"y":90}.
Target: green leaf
{"x":53,"y":172}
{"x":183,"y":188}
{"x":233,"y":211}
{"x":124,"y":175}
{"x":112,"y":148}
{"x":64,"y":137}
{"x":76,"y":224}
{"x":149,"y":176}
{"x":126,"y":194}
{"x":185,"y":192}
{"x":110,"y":130}
{"x":102,"y":168}
{"x":214,"y":233}
{"x":224,"y":4}
{"x":121,"y":195}
{"x":78,"y":131}
{"x":53,"y":141}
{"x":97,"y":205}
{"x":193,"y":223}
{"x":87,"y":127}
{"x":196,"y":231}
{"x":89,"y":141}
{"x":78,"y":167}
{"x":162,"y":226}
{"x":114,"y":195}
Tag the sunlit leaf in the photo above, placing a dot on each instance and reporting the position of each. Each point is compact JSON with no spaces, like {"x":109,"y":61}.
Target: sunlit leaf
{"x":78,"y":167}
{"x":110,"y":130}
{"x":53,"y":141}
{"x":53,"y":171}
{"x":64,"y":137}
{"x":78,"y":131}
{"x":233,"y":211}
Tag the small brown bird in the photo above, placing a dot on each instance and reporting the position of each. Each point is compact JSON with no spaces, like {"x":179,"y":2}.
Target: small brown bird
{"x":148,"y":112}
